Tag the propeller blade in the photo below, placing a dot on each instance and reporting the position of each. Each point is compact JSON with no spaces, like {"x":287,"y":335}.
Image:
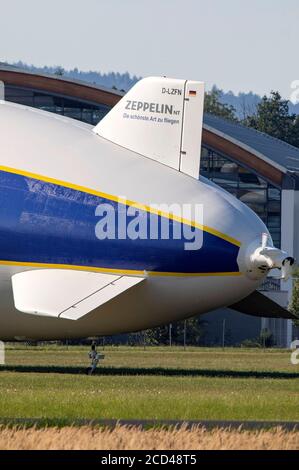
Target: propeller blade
{"x":287,"y":268}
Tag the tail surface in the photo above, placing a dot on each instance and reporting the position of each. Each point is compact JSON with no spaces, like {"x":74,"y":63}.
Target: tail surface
{"x":159,"y":118}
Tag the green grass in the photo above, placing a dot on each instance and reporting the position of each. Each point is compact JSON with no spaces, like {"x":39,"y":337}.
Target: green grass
{"x":161,"y":383}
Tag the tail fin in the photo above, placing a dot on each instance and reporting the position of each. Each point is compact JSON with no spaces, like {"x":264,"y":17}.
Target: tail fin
{"x":159,"y":118}
{"x":259,"y":305}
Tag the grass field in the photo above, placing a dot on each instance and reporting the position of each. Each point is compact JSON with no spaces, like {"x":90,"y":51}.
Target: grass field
{"x":158,"y":383}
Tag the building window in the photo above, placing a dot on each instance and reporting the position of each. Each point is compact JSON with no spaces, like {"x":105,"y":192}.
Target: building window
{"x":262,"y":197}
{"x":76,"y":109}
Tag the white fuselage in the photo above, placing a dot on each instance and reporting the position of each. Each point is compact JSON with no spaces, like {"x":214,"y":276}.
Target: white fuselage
{"x":48,"y":148}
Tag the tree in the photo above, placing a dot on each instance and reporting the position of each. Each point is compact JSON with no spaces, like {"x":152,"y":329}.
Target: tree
{"x":213,"y":105}
{"x":272,"y":117}
{"x":266,"y":338}
{"x":59,"y":71}
{"x":194,"y":333}
{"x":294,"y":305}
{"x":295,"y":133}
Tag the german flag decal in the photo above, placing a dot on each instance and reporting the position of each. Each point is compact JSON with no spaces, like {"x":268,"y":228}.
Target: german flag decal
{"x":192,"y":93}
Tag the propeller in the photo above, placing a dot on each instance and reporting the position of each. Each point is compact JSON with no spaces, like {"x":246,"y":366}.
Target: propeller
{"x":267,"y":257}
{"x":287,"y":268}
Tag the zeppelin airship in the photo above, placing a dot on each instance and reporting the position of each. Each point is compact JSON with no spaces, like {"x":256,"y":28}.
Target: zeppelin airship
{"x":112,"y":229}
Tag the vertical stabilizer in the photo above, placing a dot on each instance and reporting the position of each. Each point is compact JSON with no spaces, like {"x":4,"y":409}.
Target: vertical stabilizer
{"x":159,"y":118}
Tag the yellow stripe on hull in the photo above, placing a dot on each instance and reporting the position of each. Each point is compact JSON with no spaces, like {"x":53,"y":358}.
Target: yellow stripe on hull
{"x":122,"y":201}
{"x":124,"y":272}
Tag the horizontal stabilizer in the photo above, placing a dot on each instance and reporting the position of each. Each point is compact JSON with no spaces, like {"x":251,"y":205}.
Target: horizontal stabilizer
{"x":159,"y":118}
{"x":67,"y":294}
{"x":258,"y":305}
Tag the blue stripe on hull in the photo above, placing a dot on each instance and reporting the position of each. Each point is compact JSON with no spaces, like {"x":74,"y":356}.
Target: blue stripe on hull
{"x":41,"y":222}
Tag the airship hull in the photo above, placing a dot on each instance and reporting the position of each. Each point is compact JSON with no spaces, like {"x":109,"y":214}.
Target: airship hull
{"x":158,"y":301}
{"x":54,"y":173}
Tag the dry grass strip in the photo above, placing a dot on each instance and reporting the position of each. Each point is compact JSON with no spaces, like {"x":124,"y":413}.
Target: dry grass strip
{"x":134,"y":438}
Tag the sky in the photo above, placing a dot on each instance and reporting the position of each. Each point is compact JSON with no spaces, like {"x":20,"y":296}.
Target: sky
{"x":240,"y":45}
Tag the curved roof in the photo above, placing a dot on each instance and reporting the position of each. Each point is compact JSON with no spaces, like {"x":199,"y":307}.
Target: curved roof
{"x":266,"y":155}
{"x":278,"y":153}
{"x":59,"y":85}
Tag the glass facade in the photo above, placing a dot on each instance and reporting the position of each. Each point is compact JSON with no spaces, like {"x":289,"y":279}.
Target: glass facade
{"x":262,"y":197}
{"x":250,"y":188}
{"x":73,"y":108}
